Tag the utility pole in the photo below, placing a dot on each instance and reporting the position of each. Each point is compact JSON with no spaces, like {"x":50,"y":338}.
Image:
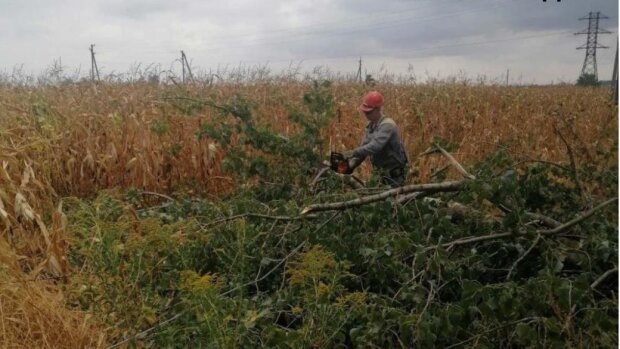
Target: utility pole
{"x":94,"y":70}
{"x":185,"y":64}
{"x":589,"y":63}
{"x":359,"y":71}
{"x":614,"y":76}
{"x":507,"y":76}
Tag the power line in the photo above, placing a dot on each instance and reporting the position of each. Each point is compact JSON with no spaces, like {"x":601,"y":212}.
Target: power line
{"x":292,"y":35}
{"x":322,"y":25}
{"x":400,"y":51}
{"x":418,"y":49}
{"x":341,"y":31}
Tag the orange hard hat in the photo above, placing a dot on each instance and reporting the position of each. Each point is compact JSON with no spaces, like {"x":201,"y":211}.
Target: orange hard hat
{"x":372,"y":100}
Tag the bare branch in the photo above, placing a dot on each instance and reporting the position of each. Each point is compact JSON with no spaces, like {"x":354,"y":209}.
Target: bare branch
{"x":548,"y":221}
{"x":559,"y":229}
{"x":436,"y":173}
{"x":577,"y":219}
{"x":471,"y":239}
{"x":143,"y":334}
{"x":318,"y":176}
{"x":514,"y":265}
{"x":258,"y":215}
{"x":351,"y":180}
{"x":429,"y":151}
{"x":453,"y":161}
{"x":541,"y":162}
{"x":430,"y":187}
{"x":603,"y":277}
{"x":157,"y":194}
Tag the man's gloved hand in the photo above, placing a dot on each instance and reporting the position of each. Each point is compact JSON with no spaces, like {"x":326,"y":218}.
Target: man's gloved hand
{"x":353,"y":162}
{"x":347,"y":154}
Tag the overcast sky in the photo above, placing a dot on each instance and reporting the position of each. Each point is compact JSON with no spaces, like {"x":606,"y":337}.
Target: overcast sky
{"x":532,"y":38}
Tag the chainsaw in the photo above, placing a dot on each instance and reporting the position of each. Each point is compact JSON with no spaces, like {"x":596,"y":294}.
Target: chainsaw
{"x":342,"y":166}
{"x":339,"y":164}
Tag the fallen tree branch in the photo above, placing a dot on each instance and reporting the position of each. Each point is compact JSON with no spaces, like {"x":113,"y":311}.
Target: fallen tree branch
{"x":457,"y":209}
{"x":455,"y":163}
{"x":557,"y":230}
{"x":470,"y":239}
{"x":603,"y":277}
{"x":258,"y":215}
{"x":577,"y":219}
{"x":257,"y":280}
{"x":351,"y":180}
{"x":541,"y":162}
{"x":548,"y":221}
{"x":429,"y":151}
{"x":154,"y":208}
{"x":436,"y":173}
{"x":169,"y":198}
{"x":514,"y":265}
{"x":527,"y":319}
{"x":405,"y":199}
{"x":429,"y":187}
{"x":318,"y":176}
{"x":429,"y":299}
{"x":143,"y":334}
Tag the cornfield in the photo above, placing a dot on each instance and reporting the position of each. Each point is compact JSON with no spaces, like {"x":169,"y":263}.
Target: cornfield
{"x":59,"y":143}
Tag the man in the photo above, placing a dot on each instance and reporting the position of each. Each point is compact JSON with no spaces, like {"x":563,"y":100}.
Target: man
{"x":381,"y":142}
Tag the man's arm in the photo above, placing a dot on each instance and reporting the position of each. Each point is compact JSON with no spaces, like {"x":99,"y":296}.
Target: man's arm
{"x":378,"y":141}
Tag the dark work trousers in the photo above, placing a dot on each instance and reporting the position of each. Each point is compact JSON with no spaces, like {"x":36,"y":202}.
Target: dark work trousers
{"x":394,"y":178}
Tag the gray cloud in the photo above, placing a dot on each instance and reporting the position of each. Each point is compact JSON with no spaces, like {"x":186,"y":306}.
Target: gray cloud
{"x":531,"y":37}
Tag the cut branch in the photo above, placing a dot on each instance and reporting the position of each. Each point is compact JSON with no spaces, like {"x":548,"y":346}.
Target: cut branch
{"x":577,"y":219}
{"x":541,"y":162}
{"x":514,"y":265}
{"x":439,"y":171}
{"x":453,"y":161}
{"x":404,"y":199}
{"x":430,"y":187}
{"x":557,"y":230}
{"x":319,"y":176}
{"x":548,"y":221}
{"x":351,"y":180}
{"x":603,"y":277}
{"x":169,"y":198}
{"x":258,"y":215}
{"x":429,"y":151}
{"x":471,"y":239}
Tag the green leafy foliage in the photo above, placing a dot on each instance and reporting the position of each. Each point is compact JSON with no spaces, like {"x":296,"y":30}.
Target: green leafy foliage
{"x":259,"y":152}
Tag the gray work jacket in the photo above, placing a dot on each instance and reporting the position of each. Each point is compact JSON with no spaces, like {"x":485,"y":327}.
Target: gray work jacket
{"x":382,"y":143}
